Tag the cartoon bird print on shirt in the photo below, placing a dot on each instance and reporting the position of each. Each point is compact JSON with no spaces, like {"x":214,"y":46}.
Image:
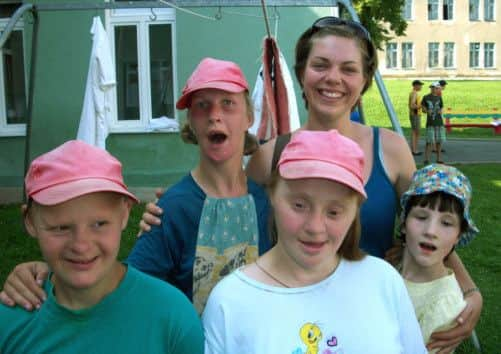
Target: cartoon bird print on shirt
{"x":311,"y":335}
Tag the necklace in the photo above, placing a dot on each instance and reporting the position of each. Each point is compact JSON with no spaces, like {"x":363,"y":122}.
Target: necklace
{"x":271,"y":276}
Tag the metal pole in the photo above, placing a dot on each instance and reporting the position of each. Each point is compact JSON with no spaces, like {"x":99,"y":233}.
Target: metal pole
{"x":31,"y":91}
{"x":379,"y":81}
{"x":12,"y":22}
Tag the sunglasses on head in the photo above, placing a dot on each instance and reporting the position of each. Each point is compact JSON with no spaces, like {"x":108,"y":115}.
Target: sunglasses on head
{"x":331,"y":21}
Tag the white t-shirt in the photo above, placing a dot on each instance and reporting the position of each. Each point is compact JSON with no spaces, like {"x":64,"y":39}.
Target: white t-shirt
{"x":363,"y":307}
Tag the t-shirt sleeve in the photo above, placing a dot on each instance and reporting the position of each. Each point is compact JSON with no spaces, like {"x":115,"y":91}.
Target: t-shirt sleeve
{"x":191,"y":339}
{"x":214,"y":323}
{"x":262,"y":204}
{"x":155,"y":251}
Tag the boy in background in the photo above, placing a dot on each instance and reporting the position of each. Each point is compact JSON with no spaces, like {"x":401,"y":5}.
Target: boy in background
{"x":415,"y":115}
{"x":433,"y":105}
{"x":78,"y":205}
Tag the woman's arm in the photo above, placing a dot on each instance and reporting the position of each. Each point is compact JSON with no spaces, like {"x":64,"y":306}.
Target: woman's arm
{"x":400,"y":167}
{"x":259,"y":166}
{"x":23,"y":286}
{"x":151,"y":215}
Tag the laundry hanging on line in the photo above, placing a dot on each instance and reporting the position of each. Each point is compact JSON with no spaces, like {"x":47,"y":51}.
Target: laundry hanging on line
{"x":94,"y":125}
{"x":274,"y":98}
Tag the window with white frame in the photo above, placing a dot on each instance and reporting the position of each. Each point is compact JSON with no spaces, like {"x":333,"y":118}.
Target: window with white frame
{"x":448,"y":55}
{"x":488,"y":55}
{"x":474,"y":55}
{"x":448,"y":9}
{"x":432,"y":10}
{"x":407,"y":55}
{"x":407,"y":10}
{"x":391,"y":55}
{"x":489,"y":7}
{"x":433,"y":54}
{"x":474,"y":8}
{"x":143,"y":47}
{"x":12,"y":80}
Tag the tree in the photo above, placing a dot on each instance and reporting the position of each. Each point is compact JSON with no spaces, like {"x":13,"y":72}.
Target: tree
{"x":382,"y":18}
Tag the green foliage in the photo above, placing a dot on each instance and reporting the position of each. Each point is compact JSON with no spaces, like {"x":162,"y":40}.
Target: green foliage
{"x":382,"y":18}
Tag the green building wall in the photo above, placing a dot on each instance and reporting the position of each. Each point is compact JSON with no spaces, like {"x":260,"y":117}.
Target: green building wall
{"x":149,"y":159}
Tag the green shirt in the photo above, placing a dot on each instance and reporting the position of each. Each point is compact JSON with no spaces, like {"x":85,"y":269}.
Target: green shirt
{"x":142,"y":315}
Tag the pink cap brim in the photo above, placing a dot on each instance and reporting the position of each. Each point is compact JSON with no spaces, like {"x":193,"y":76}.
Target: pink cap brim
{"x":66,"y":191}
{"x":183,"y":101}
{"x":319,"y":169}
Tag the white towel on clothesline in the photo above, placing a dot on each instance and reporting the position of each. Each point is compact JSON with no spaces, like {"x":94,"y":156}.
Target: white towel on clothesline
{"x":93,"y":127}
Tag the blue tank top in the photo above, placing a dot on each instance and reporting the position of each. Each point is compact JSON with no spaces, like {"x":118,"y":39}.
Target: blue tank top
{"x":379,"y":210}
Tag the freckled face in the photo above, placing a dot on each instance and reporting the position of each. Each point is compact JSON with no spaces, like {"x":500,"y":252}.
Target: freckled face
{"x":430,"y":235}
{"x":313,"y":217}
{"x":219,"y":120}
{"x":80,"y":239}
{"x":333,"y":77}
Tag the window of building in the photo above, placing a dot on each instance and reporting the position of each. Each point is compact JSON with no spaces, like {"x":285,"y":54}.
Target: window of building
{"x":407,"y":10}
{"x":432,"y":10}
{"x":433,"y":54}
{"x":143,"y":91}
{"x":448,"y":55}
{"x":448,"y":9}
{"x":407,"y":55}
{"x":489,"y":6}
{"x":391,"y":55}
{"x":474,"y":7}
{"x":489,"y":55}
{"x":12,"y":78}
{"x":474,"y":55}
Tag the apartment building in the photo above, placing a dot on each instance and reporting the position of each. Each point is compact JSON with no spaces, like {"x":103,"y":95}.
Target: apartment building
{"x":446,"y":38}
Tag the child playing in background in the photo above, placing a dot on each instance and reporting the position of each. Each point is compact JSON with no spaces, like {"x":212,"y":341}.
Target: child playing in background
{"x":435,"y":218}
{"x":432,"y":105}
{"x":78,"y":206}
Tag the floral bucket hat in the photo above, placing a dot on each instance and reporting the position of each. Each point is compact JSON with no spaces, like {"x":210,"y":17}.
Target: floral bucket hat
{"x":446,"y":179}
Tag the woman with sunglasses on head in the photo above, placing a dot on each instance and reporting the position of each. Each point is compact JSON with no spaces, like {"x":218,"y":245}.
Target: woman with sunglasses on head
{"x":335,"y":65}
{"x":335,"y":62}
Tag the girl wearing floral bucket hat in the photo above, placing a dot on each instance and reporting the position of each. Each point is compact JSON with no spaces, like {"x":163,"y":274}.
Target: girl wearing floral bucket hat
{"x":435,"y":218}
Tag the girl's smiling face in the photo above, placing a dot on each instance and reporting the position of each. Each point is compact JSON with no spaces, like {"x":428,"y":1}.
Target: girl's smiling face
{"x":333,"y":78}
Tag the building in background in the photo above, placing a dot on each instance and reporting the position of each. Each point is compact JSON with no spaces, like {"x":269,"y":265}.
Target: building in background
{"x":446,"y":39}
{"x":154,"y":51}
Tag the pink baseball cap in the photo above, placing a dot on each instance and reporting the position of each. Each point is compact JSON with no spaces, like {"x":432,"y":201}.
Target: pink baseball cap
{"x":323,"y":154}
{"x":72,"y":170}
{"x":216,"y":74}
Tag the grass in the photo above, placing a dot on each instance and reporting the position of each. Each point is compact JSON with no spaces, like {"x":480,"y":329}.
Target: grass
{"x":481,"y":257}
{"x":460,"y":96}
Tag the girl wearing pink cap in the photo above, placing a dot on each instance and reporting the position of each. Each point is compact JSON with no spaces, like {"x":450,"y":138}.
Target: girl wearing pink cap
{"x":308,"y":294}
